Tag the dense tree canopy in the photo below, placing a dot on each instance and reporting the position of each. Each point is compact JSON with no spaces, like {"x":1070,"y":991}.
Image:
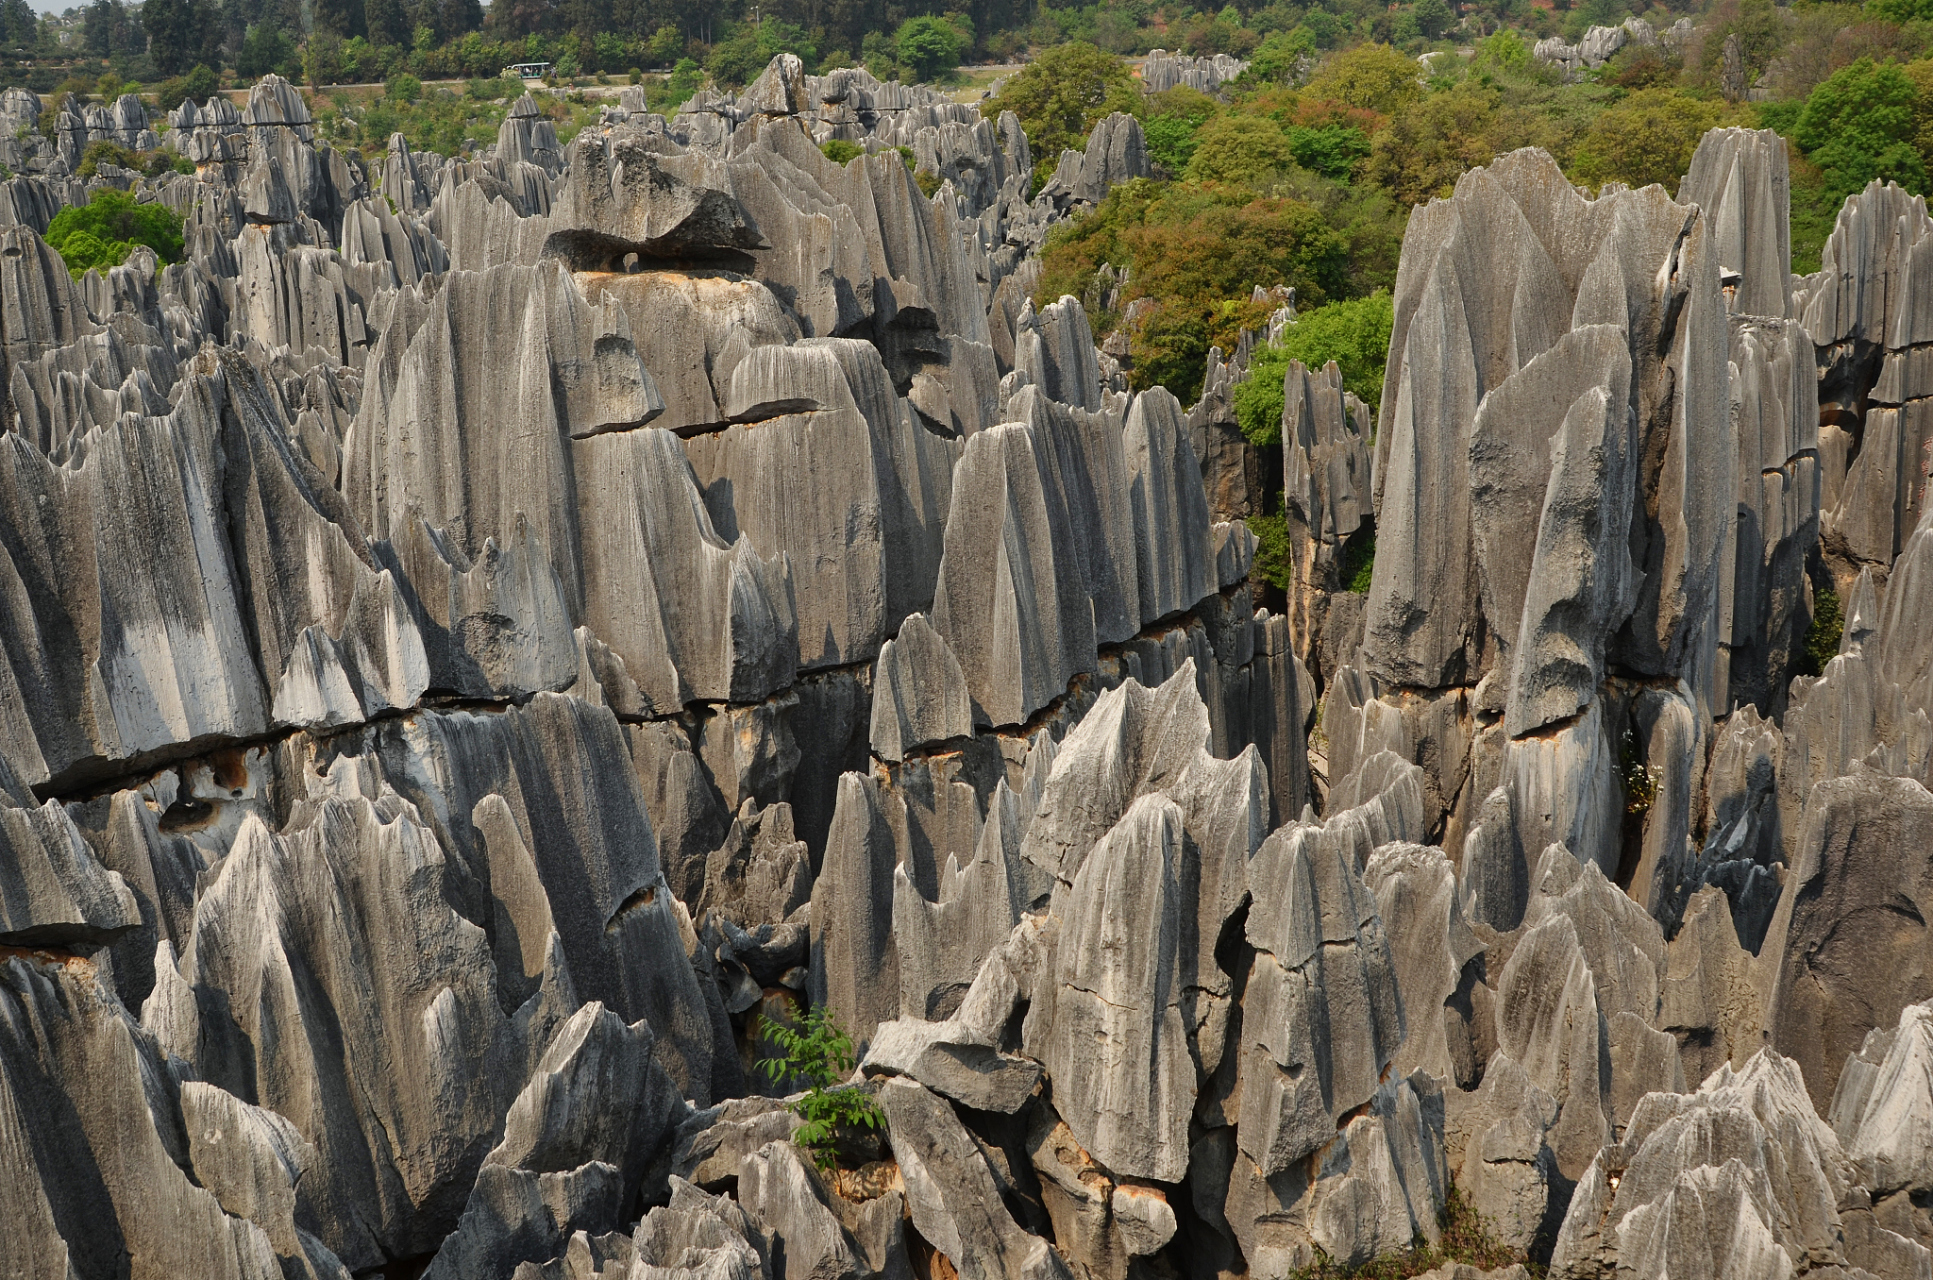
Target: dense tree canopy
{"x":102,"y":232}
{"x":1061,"y":95}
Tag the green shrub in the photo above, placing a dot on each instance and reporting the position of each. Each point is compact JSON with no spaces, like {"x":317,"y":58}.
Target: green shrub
{"x":264,"y":49}
{"x":1857,"y":126}
{"x":1240,"y":149}
{"x":1358,"y":562}
{"x":929,"y":47}
{"x":1354,"y":334}
{"x":103,"y":232}
{"x":489,"y":89}
{"x":1272,"y":562}
{"x":839,"y":151}
{"x":102,"y":152}
{"x":820,"y":1052}
{"x":1277,"y":58}
{"x":403,"y":87}
{"x":1822,"y":636}
{"x":676,"y":89}
{"x":1060,"y":96}
{"x":1332,"y":150}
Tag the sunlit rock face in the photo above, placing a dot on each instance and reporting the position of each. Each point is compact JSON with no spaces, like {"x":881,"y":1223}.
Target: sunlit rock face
{"x":490,"y":641}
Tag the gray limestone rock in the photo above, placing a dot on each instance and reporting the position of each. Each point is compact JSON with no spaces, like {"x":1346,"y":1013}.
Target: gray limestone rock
{"x":1548,"y":1020}
{"x":596,"y":1096}
{"x":516,"y":1216}
{"x":920,"y":696}
{"x":1164,"y":70}
{"x":951,"y":1195}
{"x":1323,"y":1017}
{"x":1433,"y":951}
{"x":176,"y":666}
{"x":1377,"y":1186}
{"x":1508,"y":1169}
{"x":854,"y":962}
{"x":1777,"y":397}
{"x":340,"y":921}
{"x":1009,"y":601}
{"x":710,"y":1147}
{"x":1741,"y":1177}
{"x":1326,"y":478}
{"x":953,"y":1059}
{"x":1111,"y":1027}
{"x":53,"y":892}
{"x":622,"y":194}
{"x":761,"y":873}
{"x":253,"y":1160}
{"x":1739,"y":177}
{"x":942,"y":944}
{"x":1100,"y":1225}
{"x":575,"y":819}
{"x":1174,"y":558}
{"x":701,"y":1234}
{"x":1552,"y":469}
{"x":1882,"y":1111}
{"x":1864,"y":857}
{"x":784,"y":1196}
{"x":1708,"y":998}
{"x":91,"y":1135}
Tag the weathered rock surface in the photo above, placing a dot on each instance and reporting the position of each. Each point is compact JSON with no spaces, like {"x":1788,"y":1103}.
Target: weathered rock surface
{"x":491,"y":639}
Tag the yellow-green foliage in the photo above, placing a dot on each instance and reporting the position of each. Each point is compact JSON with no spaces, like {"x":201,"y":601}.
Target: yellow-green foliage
{"x":103,"y":232}
{"x":1354,"y":334}
{"x":1061,"y":95}
{"x":1649,"y":137}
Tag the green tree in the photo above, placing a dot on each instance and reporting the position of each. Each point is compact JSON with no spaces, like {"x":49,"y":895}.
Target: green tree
{"x":928,"y":46}
{"x":264,"y":49}
{"x":1859,"y":124}
{"x":181,"y":33}
{"x":1174,"y":119}
{"x":667,"y":43}
{"x":1649,"y":137}
{"x":1504,"y":51}
{"x":1354,"y":334}
{"x":676,"y":89}
{"x":1371,"y":76}
{"x":1061,"y":95}
{"x":1241,"y":149}
{"x":819,"y":1052}
{"x":1761,"y":31}
{"x":403,"y":87}
{"x":105,"y":230}
{"x":1278,"y":59}
{"x":1332,"y":150}
{"x":739,"y":60}
{"x":1433,"y":18}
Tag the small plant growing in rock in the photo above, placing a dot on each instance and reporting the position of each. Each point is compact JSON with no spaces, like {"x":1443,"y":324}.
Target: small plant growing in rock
{"x":1823,"y":633}
{"x":1640,"y":779}
{"x":822,"y":1053}
{"x":839,"y":151}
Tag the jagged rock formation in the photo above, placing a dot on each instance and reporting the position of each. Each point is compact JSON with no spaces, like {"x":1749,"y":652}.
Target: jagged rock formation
{"x":478,"y":655}
{"x":1163,"y":71}
{"x":1600,"y":43}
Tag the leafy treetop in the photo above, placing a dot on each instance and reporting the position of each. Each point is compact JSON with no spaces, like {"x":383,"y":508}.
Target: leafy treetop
{"x":1061,"y":95}
{"x":821,"y":1053}
{"x":105,"y":230}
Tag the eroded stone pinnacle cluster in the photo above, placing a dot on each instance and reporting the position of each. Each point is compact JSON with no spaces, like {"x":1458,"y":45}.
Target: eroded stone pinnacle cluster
{"x":486,"y":639}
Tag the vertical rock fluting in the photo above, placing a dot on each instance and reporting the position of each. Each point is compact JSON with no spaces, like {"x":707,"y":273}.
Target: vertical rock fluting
{"x":481,"y":657}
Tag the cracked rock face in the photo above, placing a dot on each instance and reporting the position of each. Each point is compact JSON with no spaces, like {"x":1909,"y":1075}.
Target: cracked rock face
{"x":488,"y":643}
